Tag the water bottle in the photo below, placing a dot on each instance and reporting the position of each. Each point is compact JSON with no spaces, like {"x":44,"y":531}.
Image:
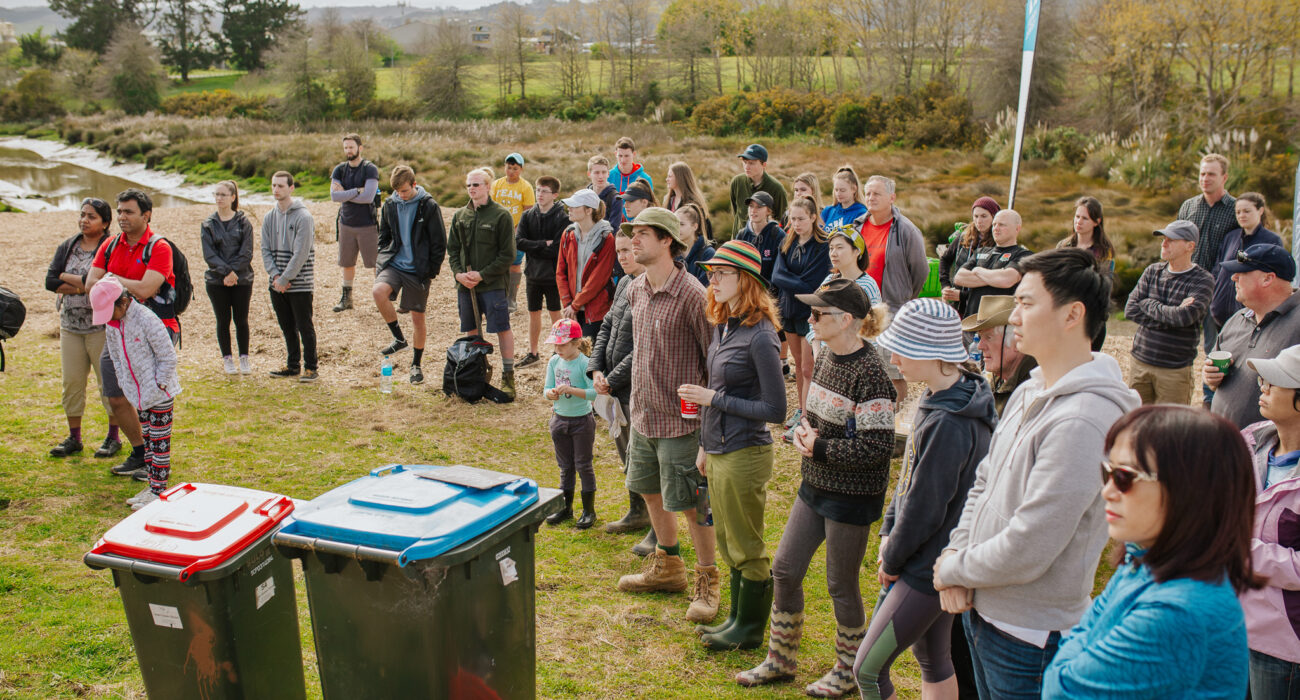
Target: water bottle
{"x":703,"y":512}
{"x":976,"y":355}
{"x":386,"y":376}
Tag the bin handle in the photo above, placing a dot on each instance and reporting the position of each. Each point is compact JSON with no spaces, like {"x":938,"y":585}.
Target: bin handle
{"x":387,"y":469}
{"x":178,"y":492}
{"x":518,"y":484}
{"x":109,"y":561}
{"x":274,"y":506}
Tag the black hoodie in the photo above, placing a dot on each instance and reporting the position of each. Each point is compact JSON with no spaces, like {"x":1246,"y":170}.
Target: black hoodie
{"x":950,"y":437}
{"x":538,"y":236}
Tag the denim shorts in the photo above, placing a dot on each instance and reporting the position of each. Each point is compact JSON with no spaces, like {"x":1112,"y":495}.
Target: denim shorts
{"x":491,"y":303}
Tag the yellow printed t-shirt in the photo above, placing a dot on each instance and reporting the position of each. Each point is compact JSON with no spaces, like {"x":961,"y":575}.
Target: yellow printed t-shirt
{"x":516,"y":198}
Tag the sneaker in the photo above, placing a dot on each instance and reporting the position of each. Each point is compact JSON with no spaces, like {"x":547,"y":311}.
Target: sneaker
{"x":228,"y":363}
{"x":396,"y":346}
{"x":69,"y":446}
{"x":417,"y":375}
{"x":141,"y":474}
{"x":139,"y":497}
{"x":794,"y":418}
{"x":128,"y":467}
{"x":110,"y":448}
{"x":245,"y":366}
{"x":284,"y":372}
{"x":308,"y":376}
{"x":529,"y":359}
{"x":148,"y":498}
{"x":788,"y":436}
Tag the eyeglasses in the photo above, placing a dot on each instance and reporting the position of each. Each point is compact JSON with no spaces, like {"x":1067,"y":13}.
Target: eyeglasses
{"x":718,"y":272}
{"x":1123,"y":476}
{"x":818,"y":313}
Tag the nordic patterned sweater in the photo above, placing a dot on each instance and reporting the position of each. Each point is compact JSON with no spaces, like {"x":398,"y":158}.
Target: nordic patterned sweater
{"x":851,"y":405}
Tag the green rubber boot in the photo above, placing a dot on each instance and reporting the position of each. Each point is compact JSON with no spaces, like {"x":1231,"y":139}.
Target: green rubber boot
{"x":731,"y":612}
{"x":747,"y":632}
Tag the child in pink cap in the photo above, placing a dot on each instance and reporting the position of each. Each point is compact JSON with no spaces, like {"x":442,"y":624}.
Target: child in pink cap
{"x":573,"y":426}
{"x":145,"y":361}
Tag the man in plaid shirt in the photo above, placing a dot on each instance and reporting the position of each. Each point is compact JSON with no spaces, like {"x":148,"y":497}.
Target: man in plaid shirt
{"x":671,"y":338}
{"x":1214,"y":212}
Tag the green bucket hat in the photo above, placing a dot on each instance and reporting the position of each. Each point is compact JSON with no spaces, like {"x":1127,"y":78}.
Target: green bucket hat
{"x":654,"y":217}
{"x":740,"y":255}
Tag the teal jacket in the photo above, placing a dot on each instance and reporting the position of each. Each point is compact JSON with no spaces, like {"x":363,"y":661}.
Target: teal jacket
{"x":1142,"y":639}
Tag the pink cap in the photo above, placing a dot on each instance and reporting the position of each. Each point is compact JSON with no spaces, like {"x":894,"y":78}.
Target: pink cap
{"x":103,"y":296}
{"x":563,"y":331}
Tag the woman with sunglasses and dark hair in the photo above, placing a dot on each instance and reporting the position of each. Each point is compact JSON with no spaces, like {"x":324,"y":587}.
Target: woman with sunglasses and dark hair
{"x":1180,"y":501}
{"x":1272,"y":628}
{"x":80,"y":340}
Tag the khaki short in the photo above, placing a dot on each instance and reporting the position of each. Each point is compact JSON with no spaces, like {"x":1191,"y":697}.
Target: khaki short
{"x":1161,"y":384}
{"x":665,"y":466}
{"x":358,"y":239}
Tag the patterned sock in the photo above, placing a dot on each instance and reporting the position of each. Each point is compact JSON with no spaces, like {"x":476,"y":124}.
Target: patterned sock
{"x":396,"y":330}
{"x":112,"y":433}
{"x":782,"y":651}
{"x":839,"y":681}
{"x":75,"y":433}
{"x":674,"y":550}
{"x":419,"y":355}
{"x":507,"y":364}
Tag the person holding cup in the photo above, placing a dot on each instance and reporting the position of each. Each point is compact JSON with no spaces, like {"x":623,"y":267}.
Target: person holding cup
{"x":1269,"y":323}
{"x":846,"y":439}
{"x":745,"y":392}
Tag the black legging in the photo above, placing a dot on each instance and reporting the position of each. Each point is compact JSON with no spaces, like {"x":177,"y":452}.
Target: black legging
{"x":228,"y":302}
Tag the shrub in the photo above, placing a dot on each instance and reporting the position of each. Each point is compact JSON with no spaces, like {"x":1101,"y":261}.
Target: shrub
{"x":132,"y":73}
{"x":775,"y":112}
{"x":215,"y":103}
{"x":31,"y":98}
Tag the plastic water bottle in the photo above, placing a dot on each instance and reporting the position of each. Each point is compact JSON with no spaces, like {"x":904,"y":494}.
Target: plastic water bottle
{"x":386,"y":376}
{"x":976,"y":355}
{"x":703,"y":511}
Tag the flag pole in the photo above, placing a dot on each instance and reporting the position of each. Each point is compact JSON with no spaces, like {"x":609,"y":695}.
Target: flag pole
{"x":1026,"y":71}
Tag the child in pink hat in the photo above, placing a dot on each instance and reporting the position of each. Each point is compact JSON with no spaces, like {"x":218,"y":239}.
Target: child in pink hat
{"x":145,"y":361}
{"x":573,"y":426}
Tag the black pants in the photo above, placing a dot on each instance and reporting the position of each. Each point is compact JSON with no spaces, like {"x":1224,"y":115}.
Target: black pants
{"x":293,"y":311}
{"x":228,"y":302}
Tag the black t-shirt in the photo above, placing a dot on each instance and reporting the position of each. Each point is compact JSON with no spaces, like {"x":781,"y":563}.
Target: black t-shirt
{"x":353,"y":213}
{"x":994,"y":258}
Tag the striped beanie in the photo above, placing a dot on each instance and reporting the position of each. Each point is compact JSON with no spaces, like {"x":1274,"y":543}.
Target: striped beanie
{"x":925,"y":329}
{"x":738,"y":254}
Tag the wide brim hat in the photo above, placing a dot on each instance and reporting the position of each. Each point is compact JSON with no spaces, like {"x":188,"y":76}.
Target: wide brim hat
{"x":655,"y":217}
{"x":995,"y":310}
{"x":925,"y":329}
{"x":740,"y":255}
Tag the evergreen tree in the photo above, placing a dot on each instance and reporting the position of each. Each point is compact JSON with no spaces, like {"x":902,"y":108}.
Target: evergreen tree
{"x":251,"y":27}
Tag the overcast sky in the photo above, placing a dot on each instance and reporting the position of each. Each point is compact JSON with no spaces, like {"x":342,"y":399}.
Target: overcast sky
{"x":459,"y":4}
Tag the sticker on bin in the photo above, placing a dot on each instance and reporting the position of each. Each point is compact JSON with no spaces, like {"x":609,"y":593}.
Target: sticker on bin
{"x":412,"y":512}
{"x":196,"y":526}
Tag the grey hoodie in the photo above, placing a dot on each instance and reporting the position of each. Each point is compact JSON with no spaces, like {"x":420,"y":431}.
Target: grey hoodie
{"x":906,"y":267}
{"x":288,"y":246}
{"x":1034,"y":525}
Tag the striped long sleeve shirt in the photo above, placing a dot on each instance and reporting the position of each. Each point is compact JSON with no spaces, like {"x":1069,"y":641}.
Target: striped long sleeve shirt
{"x":1168,"y":332}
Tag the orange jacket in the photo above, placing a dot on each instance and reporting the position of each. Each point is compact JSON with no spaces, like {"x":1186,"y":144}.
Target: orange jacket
{"x":597,"y":275}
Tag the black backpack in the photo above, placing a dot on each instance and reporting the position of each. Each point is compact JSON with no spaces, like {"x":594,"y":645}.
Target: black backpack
{"x":12,"y":314}
{"x":183,"y":292}
{"x":467,"y":366}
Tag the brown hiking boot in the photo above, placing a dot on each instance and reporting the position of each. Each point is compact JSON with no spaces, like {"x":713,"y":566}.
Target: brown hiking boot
{"x":706,"y":594}
{"x":662,"y":572}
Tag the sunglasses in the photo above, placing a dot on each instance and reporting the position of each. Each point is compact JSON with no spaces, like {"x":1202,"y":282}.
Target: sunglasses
{"x":818,"y":313}
{"x":1123,"y":476}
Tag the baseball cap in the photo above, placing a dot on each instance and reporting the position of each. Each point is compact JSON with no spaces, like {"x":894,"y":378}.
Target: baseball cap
{"x":654,"y":217}
{"x":841,"y":294}
{"x":103,"y":296}
{"x":1282,"y":371}
{"x":635,"y":193}
{"x":583,"y":198}
{"x":762,"y":199}
{"x":563,"y":331}
{"x":995,"y":310}
{"x":754,"y":152}
{"x":515,"y":158}
{"x":1179,"y":231}
{"x":1265,"y":257}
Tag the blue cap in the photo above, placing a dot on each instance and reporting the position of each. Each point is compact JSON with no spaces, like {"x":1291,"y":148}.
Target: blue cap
{"x":755,"y":152}
{"x":1264,"y":257}
{"x":515,"y":158}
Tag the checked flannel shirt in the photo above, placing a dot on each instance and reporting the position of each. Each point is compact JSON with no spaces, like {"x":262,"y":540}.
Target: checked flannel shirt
{"x":670,"y":345}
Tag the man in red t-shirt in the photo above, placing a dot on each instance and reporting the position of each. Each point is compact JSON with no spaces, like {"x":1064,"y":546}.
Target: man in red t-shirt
{"x":151,"y":283}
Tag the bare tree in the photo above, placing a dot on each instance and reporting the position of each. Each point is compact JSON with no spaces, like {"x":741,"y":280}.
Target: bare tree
{"x":440,"y":85}
{"x":511,"y":33}
{"x":567,"y":25}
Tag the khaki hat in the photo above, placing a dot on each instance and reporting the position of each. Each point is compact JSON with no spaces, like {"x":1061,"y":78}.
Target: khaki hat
{"x":1282,"y":371}
{"x":994,"y":311}
{"x":654,"y":217}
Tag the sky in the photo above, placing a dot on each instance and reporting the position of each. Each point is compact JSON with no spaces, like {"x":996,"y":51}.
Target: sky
{"x":457,"y":4}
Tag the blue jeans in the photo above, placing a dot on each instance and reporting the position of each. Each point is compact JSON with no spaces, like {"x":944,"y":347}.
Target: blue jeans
{"x":1272,"y":678}
{"x":1006,"y":668}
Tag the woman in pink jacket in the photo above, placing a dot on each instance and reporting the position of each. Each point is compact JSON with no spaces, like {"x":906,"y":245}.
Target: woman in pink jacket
{"x":1273,"y":612}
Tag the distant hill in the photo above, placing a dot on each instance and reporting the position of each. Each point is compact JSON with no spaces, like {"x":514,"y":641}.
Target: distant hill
{"x":27,"y":19}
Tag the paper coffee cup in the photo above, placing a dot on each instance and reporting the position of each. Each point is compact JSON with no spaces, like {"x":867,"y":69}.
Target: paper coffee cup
{"x":690,"y":411}
{"x":1221,"y":359}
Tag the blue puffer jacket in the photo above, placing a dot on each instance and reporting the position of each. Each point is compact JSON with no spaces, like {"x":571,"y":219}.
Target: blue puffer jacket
{"x":1142,"y":639}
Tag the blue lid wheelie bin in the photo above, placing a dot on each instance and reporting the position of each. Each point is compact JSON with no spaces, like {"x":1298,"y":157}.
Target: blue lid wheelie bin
{"x":420,"y":582}
{"x":209,"y":600}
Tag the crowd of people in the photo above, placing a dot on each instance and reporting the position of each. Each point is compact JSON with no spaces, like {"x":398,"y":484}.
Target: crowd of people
{"x":684,"y":345}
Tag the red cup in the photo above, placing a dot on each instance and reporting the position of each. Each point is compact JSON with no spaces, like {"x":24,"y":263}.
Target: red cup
{"x":690,"y":411}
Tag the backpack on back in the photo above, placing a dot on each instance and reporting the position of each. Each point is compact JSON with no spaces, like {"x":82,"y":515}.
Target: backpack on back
{"x":12,"y":314}
{"x":182,"y":293}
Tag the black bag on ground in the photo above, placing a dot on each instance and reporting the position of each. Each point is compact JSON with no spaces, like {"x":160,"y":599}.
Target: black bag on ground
{"x":12,"y":314}
{"x":467,"y":366}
